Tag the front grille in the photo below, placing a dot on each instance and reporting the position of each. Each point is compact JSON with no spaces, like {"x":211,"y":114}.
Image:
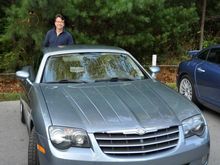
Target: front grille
{"x":133,"y":144}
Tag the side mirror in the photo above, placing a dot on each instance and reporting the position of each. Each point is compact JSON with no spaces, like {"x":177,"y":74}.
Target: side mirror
{"x":22,"y":75}
{"x":154,"y":70}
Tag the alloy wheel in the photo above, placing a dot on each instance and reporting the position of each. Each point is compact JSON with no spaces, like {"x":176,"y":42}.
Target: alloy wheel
{"x":185,"y":88}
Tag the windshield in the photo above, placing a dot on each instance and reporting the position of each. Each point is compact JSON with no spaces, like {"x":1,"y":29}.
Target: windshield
{"x":91,"y":67}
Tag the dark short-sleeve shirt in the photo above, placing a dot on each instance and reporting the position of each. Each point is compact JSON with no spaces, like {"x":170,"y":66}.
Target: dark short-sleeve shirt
{"x":52,"y":40}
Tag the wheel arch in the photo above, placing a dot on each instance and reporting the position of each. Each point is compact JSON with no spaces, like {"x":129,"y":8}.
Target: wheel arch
{"x":180,"y":77}
{"x":194,"y":92}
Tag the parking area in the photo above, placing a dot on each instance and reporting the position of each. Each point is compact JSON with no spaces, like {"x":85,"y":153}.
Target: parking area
{"x":14,"y":137}
{"x":213,"y":120}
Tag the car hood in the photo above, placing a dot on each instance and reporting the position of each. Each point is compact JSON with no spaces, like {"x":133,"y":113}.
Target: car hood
{"x":106,"y":106}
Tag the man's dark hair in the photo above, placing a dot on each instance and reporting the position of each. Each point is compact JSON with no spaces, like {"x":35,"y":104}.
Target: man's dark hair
{"x":59,"y":16}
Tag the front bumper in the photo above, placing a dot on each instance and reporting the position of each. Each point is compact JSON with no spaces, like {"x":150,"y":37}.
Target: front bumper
{"x":190,"y":151}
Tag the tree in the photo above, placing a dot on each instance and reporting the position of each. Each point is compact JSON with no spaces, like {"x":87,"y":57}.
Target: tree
{"x":142,"y":27}
{"x":212,"y":22}
{"x":3,"y":45}
{"x":202,"y":24}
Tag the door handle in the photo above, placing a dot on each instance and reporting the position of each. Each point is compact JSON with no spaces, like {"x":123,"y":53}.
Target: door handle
{"x":201,"y":70}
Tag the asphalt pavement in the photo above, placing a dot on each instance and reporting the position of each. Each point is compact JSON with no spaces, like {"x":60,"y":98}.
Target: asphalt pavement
{"x":213,"y":120}
{"x":14,"y":136}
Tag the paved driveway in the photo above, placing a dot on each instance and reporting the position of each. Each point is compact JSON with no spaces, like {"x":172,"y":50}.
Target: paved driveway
{"x":213,"y":120}
{"x":14,"y":137}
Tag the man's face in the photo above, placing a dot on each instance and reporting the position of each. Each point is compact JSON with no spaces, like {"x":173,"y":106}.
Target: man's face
{"x":59,"y":23}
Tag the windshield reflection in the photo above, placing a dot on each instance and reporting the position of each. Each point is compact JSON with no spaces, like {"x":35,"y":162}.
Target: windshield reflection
{"x":90,"y":67}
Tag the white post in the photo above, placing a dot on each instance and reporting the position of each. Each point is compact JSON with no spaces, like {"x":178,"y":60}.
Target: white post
{"x":154,"y":63}
{"x":154,"y":60}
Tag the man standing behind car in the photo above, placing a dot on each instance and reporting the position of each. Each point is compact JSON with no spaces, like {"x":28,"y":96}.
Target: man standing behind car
{"x":58,"y":36}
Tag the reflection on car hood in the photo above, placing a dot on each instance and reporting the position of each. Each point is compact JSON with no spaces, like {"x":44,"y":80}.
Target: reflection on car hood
{"x":108,"y":106}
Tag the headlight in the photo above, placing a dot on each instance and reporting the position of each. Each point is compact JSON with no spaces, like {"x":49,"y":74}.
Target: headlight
{"x":194,"y":126}
{"x":63,"y":137}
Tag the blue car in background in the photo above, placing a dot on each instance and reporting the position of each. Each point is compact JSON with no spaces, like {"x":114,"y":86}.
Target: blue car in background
{"x":199,"y":78}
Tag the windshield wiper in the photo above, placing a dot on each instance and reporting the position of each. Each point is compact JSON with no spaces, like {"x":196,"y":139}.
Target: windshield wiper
{"x":115,"y":79}
{"x":68,"y":81}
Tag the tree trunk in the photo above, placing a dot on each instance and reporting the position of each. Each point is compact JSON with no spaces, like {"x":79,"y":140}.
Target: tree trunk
{"x":202,"y":24}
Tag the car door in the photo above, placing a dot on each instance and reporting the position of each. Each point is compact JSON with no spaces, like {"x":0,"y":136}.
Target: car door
{"x":207,"y":76}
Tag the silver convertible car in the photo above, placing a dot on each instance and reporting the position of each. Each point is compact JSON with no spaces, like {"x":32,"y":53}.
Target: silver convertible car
{"x":96,"y":105}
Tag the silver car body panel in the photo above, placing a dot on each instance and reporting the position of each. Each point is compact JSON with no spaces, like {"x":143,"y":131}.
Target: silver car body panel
{"x":113,"y":106}
{"x":127,"y":107}
{"x":188,"y":152}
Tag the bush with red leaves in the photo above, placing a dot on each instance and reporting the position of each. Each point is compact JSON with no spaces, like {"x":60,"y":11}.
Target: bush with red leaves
{"x":9,"y":83}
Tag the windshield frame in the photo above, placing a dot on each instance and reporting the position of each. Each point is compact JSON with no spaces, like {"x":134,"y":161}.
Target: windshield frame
{"x":60,"y":52}
{"x":128,"y":56}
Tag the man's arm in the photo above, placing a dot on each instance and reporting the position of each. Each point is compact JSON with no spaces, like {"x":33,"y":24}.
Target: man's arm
{"x":70,"y":40}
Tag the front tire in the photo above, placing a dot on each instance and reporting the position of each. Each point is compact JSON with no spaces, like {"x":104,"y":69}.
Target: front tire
{"x":32,"y":149}
{"x":186,"y":88}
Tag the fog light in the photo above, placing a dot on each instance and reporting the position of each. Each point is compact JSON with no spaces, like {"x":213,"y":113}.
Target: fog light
{"x":205,"y":159}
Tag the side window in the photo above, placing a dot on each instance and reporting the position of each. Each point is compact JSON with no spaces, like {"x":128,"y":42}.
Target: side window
{"x":214,"y":56}
{"x":203,"y":55}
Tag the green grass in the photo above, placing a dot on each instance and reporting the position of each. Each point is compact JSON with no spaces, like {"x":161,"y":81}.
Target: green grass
{"x":172,"y":85}
{"x":9,"y":96}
